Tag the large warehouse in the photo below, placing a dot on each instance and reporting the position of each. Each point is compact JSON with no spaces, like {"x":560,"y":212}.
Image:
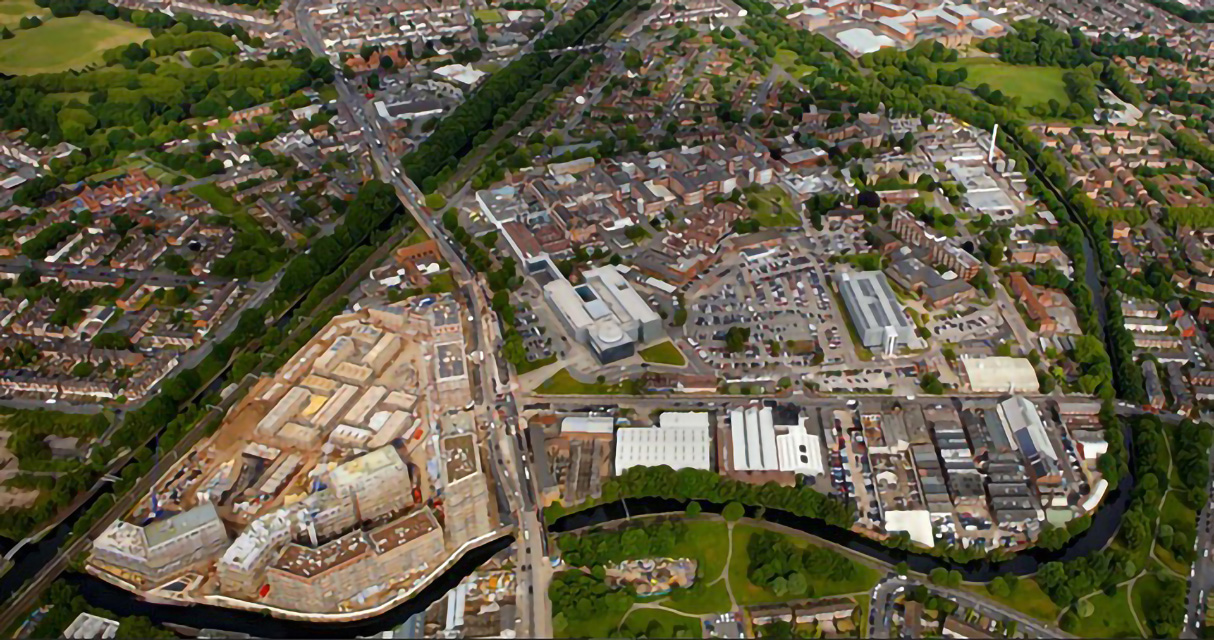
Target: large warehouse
{"x":604,"y":313}
{"x":680,"y":441}
{"x":1000,"y":374}
{"x":880,"y":321}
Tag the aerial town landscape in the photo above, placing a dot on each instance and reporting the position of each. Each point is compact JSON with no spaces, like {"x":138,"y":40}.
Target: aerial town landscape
{"x":606,"y":318}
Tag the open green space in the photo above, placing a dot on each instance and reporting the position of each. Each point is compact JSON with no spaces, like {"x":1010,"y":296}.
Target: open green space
{"x":1028,"y":598}
{"x":441,"y":283}
{"x":12,"y":11}
{"x":216,"y":197}
{"x":1033,"y":85}
{"x":659,"y":623}
{"x":790,"y":62}
{"x":65,"y":43}
{"x":488,"y":16}
{"x":563,"y":383}
{"x":772,"y":207}
{"x":418,"y":236}
{"x":1148,"y":593}
{"x":1113,"y":618}
{"x":1183,"y":520}
{"x":664,"y":353}
{"x":708,"y":543}
{"x":820,"y":585}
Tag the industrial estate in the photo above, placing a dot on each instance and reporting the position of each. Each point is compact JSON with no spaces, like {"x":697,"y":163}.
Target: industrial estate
{"x":606,"y":318}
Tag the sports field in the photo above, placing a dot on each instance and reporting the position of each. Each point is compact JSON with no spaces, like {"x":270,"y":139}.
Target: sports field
{"x":12,"y":11}
{"x":1034,"y":85}
{"x":65,"y":43}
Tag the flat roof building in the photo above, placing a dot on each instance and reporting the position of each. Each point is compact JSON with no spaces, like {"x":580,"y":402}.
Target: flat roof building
{"x":879,"y":320}
{"x":164,"y":547}
{"x":683,"y":441}
{"x":1000,"y":374}
{"x":604,"y":313}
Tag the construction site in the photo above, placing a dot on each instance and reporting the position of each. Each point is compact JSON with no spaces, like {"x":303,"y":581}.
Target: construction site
{"x":338,"y":485}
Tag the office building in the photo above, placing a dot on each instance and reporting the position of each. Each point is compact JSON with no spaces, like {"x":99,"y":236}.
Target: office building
{"x":604,"y":313}
{"x":880,"y":322}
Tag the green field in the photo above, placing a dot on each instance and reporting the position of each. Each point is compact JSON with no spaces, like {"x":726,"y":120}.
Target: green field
{"x":1034,"y":85}
{"x":1147,"y":593}
{"x":217,"y":198}
{"x":657,"y":623}
{"x":563,"y":383}
{"x":773,"y":208}
{"x":1113,"y":618}
{"x":819,"y":585}
{"x":708,"y":543}
{"x":1027,"y":598}
{"x":12,"y":11}
{"x":664,"y":353}
{"x":789,"y":61}
{"x":65,"y":43}
{"x":488,"y":16}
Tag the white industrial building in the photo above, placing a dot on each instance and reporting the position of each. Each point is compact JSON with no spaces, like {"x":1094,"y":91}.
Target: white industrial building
{"x":1000,"y":374}
{"x":588,"y":425}
{"x":680,"y":441}
{"x":880,"y":322}
{"x":604,"y":313}
{"x":757,"y":447}
{"x":1025,"y":429}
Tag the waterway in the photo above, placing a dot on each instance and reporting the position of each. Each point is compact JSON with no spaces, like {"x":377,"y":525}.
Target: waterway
{"x":102,"y":594}
{"x":1105,"y":522}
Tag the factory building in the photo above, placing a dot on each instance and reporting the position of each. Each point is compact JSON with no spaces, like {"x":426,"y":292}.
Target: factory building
{"x":1000,"y":374}
{"x":680,"y":441}
{"x":604,"y":313}
{"x":880,"y":322}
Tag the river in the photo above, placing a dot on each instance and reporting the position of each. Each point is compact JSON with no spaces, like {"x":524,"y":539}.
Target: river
{"x":1105,"y":522}
{"x":102,"y":594}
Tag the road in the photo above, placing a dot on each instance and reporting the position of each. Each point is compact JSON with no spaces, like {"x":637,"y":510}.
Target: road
{"x":1201,"y":582}
{"x":28,"y":596}
{"x":884,"y":594}
{"x":507,"y":442}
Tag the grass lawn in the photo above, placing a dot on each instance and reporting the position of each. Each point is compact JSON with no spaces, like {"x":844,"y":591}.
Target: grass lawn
{"x":820,"y":585}
{"x":217,"y":198}
{"x":664,"y":353}
{"x":1146,"y":593}
{"x":773,"y":208}
{"x":442,"y":283}
{"x":65,"y":43}
{"x":563,"y":383}
{"x":1112,"y":619}
{"x":1034,"y":85}
{"x":708,"y":543}
{"x":1182,"y":519}
{"x":601,"y":626}
{"x":418,"y":236}
{"x":488,"y":16}
{"x":1027,"y":598}
{"x":12,"y":11}
{"x":532,"y":365}
{"x":790,"y":62}
{"x":657,"y":623}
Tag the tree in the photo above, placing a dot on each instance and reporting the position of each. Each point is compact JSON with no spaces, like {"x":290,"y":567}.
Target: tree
{"x":436,"y":201}
{"x":6,"y":34}
{"x":736,"y":339}
{"x":733,"y":511}
{"x":693,"y":509}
